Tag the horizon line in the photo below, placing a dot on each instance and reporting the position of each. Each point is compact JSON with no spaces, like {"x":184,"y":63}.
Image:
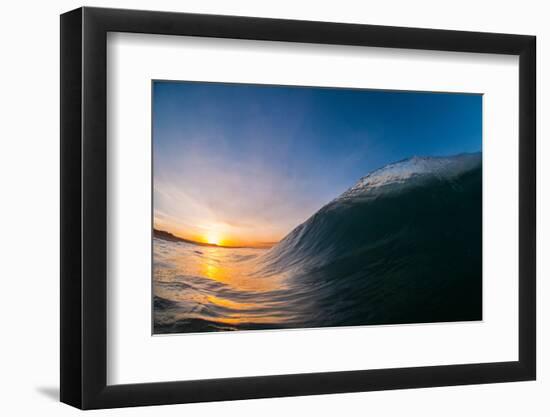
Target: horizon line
{"x":166,"y":235}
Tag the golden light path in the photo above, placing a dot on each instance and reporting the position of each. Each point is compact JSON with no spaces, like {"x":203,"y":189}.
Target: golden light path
{"x":243,"y":295}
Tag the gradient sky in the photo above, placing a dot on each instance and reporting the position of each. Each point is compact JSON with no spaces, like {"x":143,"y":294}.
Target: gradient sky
{"x":239,"y":164}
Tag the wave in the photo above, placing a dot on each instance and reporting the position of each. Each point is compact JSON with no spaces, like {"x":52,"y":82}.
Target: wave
{"x":403,"y":245}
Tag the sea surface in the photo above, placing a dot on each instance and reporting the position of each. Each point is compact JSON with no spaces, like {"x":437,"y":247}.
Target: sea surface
{"x":403,"y":245}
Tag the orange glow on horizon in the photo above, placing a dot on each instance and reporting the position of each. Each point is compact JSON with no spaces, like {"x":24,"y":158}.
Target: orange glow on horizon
{"x":213,"y":238}
{"x":218,"y":235}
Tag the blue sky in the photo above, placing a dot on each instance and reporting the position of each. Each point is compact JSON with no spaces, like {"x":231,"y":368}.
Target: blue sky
{"x":250,"y":162}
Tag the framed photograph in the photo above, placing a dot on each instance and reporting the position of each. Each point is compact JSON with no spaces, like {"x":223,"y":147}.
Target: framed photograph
{"x":257,"y":208}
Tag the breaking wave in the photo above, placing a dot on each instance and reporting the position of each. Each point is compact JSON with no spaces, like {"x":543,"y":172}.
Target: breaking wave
{"x":403,"y":245}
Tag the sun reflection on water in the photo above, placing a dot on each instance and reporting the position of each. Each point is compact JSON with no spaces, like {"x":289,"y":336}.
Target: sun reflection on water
{"x":219,"y":282}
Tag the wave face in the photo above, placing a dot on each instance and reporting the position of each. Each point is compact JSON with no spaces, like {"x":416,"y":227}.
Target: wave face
{"x":403,"y":245}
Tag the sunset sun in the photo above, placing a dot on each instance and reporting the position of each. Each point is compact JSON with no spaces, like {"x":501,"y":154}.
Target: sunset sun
{"x":213,"y":238}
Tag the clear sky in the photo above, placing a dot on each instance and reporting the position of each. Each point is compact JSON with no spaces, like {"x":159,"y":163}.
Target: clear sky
{"x":239,"y":164}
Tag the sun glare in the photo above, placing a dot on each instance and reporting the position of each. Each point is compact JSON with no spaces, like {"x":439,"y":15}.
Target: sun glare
{"x":213,"y":238}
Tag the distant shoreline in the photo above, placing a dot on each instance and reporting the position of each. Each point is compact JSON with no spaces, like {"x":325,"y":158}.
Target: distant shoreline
{"x":164,"y":235}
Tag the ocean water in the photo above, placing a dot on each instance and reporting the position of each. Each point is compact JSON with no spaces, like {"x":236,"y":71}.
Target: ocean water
{"x":403,"y":245}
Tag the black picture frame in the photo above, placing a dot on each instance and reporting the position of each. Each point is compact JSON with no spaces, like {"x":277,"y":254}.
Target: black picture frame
{"x":84,"y":207}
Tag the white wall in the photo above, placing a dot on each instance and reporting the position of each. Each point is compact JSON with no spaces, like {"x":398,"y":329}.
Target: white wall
{"x":29,"y":176}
